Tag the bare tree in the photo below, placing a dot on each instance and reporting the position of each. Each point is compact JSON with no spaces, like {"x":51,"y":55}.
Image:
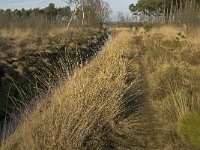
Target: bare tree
{"x":98,"y":11}
{"x":121,"y":19}
{"x":83,"y":14}
{"x":93,"y":11}
{"x":75,"y":4}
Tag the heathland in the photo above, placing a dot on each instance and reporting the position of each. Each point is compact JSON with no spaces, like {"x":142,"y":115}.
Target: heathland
{"x":69,"y":81}
{"x":141,"y":91}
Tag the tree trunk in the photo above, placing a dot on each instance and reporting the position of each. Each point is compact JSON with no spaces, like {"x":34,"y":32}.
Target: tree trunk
{"x":83,"y":15}
{"x":72,"y":16}
{"x":171,"y":11}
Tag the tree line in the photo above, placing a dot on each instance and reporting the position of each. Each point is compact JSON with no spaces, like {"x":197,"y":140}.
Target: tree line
{"x":32,"y":17}
{"x":96,"y":12}
{"x":172,"y":11}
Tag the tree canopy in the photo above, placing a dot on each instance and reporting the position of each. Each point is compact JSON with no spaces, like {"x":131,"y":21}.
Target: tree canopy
{"x":150,"y":5}
{"x":170,"y":9}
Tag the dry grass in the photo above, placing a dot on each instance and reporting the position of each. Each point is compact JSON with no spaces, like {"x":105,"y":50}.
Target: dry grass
{"x":17,"y":42}
{"x":21,"y":33}
{"x":90,"y":110}
{"x":15,"y":33}
{"x":172,"y":61}
{"x":169,"y":31}
{"x":180,"y":102}
{"x":80,"y":113}
{"x":62,"y":29}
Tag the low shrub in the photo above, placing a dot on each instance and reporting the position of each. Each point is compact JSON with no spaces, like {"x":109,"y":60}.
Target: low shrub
{"x":189,"y":129}
{"x":147,"y":27}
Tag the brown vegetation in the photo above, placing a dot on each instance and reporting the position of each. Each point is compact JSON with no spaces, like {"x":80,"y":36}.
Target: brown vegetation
{"x":25,"y":60}
{"x":90,"y":110}
{"x":140,"y":92}
{"x":172,"y":64}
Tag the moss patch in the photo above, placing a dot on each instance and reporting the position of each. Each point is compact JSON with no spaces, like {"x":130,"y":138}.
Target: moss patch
{"x":189,"y":128}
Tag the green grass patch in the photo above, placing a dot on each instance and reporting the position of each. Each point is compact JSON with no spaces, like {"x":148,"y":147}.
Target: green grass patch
{"x":177,"y":44}
{"x":189,"y":129}
{"x":147,"y":27}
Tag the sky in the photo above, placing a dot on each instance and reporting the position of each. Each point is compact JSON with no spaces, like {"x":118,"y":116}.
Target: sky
{"x":116,"y":5}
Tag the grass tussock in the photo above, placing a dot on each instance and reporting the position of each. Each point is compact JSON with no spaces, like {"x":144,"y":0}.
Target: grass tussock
{"x":181,"y":102}
{"x":84,"y":112}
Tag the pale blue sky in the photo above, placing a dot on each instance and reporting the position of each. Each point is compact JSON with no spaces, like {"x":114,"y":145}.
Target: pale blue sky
{"x":116,"y":5}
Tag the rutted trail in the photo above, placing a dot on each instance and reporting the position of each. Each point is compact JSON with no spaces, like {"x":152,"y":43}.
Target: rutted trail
{"x":146,"y":134}
{"x":154,"y":131}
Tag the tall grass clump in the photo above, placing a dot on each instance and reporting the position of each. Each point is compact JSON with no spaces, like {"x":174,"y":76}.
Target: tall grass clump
{"x":81,"y":112}
{"x":180,"y":102}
